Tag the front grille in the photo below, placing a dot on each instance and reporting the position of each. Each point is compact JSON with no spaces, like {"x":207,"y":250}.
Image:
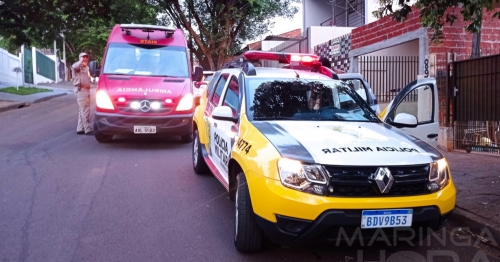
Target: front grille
{"x":358,"y":181}
{"x":125,"y":107}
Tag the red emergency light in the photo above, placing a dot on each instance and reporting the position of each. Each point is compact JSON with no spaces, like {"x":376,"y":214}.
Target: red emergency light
{"x":284,"y":58}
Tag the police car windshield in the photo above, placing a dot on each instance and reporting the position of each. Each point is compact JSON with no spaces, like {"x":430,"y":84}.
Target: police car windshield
{"x":302,"y":99}
{"x":150,"y":60}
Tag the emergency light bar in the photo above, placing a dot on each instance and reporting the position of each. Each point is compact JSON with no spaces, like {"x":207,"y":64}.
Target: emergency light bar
{"x":169,"y":31}
{"x":284,"y":58}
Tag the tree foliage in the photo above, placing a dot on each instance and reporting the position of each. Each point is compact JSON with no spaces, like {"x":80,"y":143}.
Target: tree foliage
{"x":85,"y":26}
{"x":218,"y":26}
{"x":433,"y":13}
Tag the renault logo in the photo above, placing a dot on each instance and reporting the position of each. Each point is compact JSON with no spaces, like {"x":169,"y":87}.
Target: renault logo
{"x":145,"y":106}
{"x":384,"y":179}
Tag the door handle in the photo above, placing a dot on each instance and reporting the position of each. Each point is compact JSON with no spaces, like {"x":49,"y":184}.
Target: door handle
{"x":432,"y":135}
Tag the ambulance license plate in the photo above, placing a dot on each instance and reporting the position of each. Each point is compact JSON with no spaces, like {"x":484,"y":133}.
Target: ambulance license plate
{"x":144,"y":129}
{"x":386,"y":218}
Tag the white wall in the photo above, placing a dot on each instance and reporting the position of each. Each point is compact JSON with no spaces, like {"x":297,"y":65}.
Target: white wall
{"x":314,"y":12}
{"x":267,"y":45}
{"x":7,"y":64}
{"x":321,"y":34}
{"x":373,"y":5}
{"x":370,"y":6}
{"x":406,"y":49}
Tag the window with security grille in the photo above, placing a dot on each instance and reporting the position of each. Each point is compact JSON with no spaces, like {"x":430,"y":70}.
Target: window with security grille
{"x":349,"y":13}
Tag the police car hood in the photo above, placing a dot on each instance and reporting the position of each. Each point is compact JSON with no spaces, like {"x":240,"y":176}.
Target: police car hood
{"x":346,"y":143}
{"x":145,"y":86}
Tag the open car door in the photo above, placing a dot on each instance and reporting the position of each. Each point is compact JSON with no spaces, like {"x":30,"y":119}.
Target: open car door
{"x":415,"y":110}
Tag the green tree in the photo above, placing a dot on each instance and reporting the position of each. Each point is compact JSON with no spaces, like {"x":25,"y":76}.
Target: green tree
{"x":83,"y":26}
{"x":25,"y":21}
{"x":217,"y":26}
{"x":433,"y":15}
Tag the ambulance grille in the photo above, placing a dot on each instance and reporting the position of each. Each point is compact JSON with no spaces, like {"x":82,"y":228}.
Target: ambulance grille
{"x":126,"y":108}
{"x":358,"y":181}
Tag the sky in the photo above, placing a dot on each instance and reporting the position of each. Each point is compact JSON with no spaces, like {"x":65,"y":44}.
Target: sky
{"x":283,"y":25}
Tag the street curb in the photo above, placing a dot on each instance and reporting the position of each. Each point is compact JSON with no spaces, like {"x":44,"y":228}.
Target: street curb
{"x":13,"y":106}
{"x":48,"y":97}
{"x":476,"y":224}
{"x":26,"y":104}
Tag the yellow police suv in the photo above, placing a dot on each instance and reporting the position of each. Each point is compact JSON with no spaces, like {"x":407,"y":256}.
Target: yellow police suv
{"x":304,"y":157}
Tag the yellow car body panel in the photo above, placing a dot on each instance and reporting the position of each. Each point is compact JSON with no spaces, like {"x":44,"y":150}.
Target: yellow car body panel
{"x":199,"y":118}
{"x":262,"y":155}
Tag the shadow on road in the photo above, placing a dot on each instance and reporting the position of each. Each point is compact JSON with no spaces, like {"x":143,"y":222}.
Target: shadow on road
{"x":155,"y":141}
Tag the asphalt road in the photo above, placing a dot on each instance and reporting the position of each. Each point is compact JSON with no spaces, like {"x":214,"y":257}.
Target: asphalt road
{"x":65,"y":197}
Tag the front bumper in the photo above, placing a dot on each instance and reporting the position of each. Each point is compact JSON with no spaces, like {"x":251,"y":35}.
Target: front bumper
{"x":109,"y":123}
{"x":343,"y":226}
{"x":274,"y":205}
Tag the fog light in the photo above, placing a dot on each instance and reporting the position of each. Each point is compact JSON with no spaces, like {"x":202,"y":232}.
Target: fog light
{"x":433,"y":187}
{"x":103,"y":120}
{"x":121,"y":99}
{"x":155,"y":105}
{"x":168,"y":101}
{"x":135,"y":105}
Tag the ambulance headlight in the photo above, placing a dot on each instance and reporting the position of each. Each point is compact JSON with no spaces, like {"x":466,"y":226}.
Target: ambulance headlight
{"x":102,"y":100}
{"x":303,"y":177}
{"x":439,"y":175}
{"x":186,"y":103}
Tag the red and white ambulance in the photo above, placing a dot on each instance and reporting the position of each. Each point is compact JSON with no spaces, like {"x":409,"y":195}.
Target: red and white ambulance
{"x":145,"y":83}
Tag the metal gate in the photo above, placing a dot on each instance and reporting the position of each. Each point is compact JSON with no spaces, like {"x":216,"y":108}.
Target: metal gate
{"x":476,"y":104}
{"x":28,"y":65}
{"x":289,"y":46}
{"x":387,"y":75}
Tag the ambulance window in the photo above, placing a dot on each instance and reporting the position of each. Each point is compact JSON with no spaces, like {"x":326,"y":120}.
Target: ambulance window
{"x":231,"y":98}
{"x":219,"y":88}
{"x":419,"y":104}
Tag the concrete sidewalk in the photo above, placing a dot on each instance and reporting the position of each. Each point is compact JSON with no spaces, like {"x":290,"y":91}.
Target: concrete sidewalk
{"x":12,"y":101}
{"x":477,"y":179}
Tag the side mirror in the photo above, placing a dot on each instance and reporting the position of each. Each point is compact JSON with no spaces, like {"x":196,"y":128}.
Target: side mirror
{"x":224,"y":113}
{"x":198,"y":73}
{"x":95,"y":71}
{"x":404,"y":120}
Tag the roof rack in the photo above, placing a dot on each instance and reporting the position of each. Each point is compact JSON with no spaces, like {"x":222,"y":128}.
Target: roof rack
{"x":169,"y":31}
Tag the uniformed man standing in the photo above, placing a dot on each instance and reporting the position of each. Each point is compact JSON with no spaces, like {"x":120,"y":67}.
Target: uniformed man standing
{"x":81,"y":81}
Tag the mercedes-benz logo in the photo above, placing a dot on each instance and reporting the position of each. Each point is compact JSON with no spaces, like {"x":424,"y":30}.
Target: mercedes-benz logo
{"x":384,"y":179}
{"x":145,"y":106}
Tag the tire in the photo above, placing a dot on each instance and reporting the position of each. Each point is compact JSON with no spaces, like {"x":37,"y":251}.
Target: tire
{"x":248,"y":236}
{"x":187,"y":138}
{"x":102,"y":138}
{"x":199,"y":164}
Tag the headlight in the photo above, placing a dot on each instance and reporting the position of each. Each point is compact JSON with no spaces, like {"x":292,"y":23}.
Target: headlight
{"x":186,"y":103}
{"x":439,"y":175}
{"x":102,"y":100}
{"x":307,"y":178}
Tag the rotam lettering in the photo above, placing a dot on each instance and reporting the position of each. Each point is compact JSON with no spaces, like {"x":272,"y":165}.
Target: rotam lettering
{"x":367,"y":149}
